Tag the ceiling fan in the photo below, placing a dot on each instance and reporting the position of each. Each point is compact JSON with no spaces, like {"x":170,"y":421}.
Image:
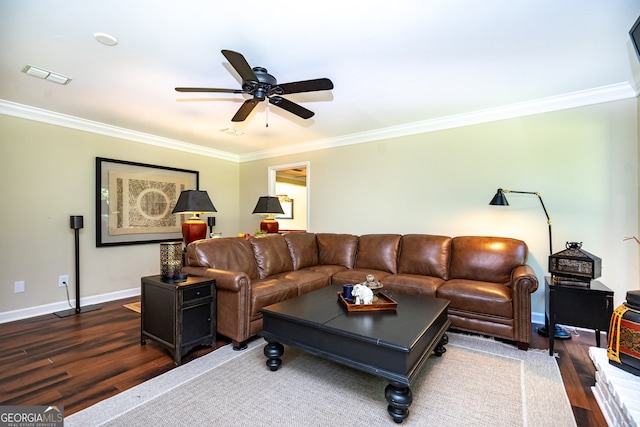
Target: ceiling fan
{"x":261,"y":85}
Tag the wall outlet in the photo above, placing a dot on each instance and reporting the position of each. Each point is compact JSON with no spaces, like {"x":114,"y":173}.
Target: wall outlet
{"x":63,"y":281}
{"x":19,"y":287}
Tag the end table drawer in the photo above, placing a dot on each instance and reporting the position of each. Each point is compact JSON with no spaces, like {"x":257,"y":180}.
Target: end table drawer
{"x":196,"y":293}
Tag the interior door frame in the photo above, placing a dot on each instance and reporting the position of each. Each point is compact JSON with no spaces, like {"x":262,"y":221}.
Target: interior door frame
{"x":272,"y":182}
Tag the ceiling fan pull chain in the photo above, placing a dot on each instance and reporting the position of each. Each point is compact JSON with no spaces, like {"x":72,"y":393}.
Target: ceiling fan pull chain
{"x":267,"y":116}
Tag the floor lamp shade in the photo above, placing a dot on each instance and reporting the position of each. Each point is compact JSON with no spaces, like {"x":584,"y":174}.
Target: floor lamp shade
{"x":269,"y":206}
{"x":194,"y":202}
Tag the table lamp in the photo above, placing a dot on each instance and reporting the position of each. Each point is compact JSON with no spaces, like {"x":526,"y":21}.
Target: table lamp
{"x":269,"y":206}
{"x":194,"y":202}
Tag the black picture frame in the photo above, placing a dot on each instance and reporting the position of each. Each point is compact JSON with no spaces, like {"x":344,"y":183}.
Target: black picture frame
{"x":634,"y":32}
{"x":287,"y":207}
{"x":134,"y":202}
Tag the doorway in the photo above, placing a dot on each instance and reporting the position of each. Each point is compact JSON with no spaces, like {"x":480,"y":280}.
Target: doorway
{"x":290,"y":183}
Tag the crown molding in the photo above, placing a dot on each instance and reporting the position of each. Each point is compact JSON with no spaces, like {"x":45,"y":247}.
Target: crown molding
{"x":598,"y":95}
{"x":58,"y":119}
{"x":583,"y":98}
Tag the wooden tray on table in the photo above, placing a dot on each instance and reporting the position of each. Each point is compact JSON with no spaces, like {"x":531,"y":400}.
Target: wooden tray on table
{"x":384,"y":303}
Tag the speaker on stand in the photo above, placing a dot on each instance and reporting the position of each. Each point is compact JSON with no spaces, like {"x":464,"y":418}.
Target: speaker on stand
{"x":77,"y":222}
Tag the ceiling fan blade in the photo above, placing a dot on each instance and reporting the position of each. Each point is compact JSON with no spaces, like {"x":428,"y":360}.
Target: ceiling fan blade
{"x":246,"y":109}
{"x":240,"y":64}
{"x":208,"y":89}
{"x":306,"y":86}
{"x":291,"y":107}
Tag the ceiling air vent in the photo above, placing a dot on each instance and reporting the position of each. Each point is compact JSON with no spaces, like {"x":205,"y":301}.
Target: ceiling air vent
{"x":41,"y":73}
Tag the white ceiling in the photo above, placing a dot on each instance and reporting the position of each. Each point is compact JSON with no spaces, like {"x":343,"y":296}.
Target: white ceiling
{"x":394,"y":64}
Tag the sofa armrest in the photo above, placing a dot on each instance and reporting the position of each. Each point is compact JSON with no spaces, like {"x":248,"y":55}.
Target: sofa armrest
{"x":231,"y":281}
{"x":233,"y":295}
{"x":523,"y":282}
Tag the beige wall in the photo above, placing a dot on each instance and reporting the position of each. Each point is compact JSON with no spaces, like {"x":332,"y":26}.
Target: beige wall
{"x":584,"y":161}
{"x":47,"y":173}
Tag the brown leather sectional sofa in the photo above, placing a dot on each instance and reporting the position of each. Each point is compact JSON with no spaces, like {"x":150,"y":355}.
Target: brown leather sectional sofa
{"x":485,"y":278}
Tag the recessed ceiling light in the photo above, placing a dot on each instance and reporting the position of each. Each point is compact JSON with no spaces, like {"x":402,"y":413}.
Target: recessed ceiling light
{"x":105,"y":39}
{"x":41,"y":73}
{"x":233,"y":132}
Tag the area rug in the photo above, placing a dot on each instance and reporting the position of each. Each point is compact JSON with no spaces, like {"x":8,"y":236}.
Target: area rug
{"x":477,"y":382}
{"x":134,"y":306}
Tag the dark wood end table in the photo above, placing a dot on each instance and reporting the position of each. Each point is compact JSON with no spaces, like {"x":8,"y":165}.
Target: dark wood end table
{"x":390,"y":344}
{"x":582,"y":306}
{"x":178,"y":315}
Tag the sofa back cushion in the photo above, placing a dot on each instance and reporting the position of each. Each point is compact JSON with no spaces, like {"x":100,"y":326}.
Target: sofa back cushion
{"x":425,"y":255}
{"x":337,"y":249}
{"x":378,"y":252}
{"x":229,"y":253}
{"x":303,"y":249}
{"x":487,"y":259}
{"x":272,"y":254}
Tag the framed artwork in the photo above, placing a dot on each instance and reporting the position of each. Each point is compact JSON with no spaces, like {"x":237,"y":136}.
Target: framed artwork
{"x":134,"y":202}
{"x":634,"y":32}
{"x":287,"y":207}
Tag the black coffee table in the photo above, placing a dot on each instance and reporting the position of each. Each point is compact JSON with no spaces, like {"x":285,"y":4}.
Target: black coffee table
{"x":389,"y":344}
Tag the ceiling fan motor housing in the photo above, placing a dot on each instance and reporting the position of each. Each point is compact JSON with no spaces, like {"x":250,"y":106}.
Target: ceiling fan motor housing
{"x":265,"y":85}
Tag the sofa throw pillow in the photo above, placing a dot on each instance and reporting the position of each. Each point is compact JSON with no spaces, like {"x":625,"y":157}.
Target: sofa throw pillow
{"x":272,"y":254}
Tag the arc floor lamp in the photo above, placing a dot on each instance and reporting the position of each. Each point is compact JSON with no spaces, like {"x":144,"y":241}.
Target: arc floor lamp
{"x":501,"y":200}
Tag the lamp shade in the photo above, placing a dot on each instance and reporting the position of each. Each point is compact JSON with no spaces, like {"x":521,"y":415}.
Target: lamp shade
{"x":499,"y":199}
{"x":268,"y":205}
{"x":194,"y":201}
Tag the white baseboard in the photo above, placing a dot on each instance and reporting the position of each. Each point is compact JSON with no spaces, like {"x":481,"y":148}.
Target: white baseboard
{"x":24,"y":313}
{"x":537,"y":318}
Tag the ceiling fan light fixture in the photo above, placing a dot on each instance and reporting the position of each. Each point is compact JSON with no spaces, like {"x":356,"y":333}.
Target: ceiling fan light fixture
{"x":41,"y":73}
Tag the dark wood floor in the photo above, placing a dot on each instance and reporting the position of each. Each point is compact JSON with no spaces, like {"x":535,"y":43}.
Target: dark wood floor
{"x":80,"y":360}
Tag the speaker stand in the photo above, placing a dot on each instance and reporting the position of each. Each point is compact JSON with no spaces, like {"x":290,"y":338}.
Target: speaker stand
{"x":77,"y":223}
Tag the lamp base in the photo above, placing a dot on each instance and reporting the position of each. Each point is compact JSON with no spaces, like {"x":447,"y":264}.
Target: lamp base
{"x":193,"y":229}
{"x":73,"y":311}
{"x":176,"y":278}
{"x":269,"y":225}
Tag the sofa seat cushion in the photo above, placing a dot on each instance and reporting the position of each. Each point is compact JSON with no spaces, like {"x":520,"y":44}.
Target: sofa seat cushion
{"x":378,"y":252}
{"x":357,"y":275}
{"x":328,"y":269}
{"x":270,"y":291}
{"x":306,"y":280}
{"x":425,"y":255}
{"x":494,"y":299}
{"x":272,"y":254}
{"x":412,"y":284}
{"x":303,"y":249}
